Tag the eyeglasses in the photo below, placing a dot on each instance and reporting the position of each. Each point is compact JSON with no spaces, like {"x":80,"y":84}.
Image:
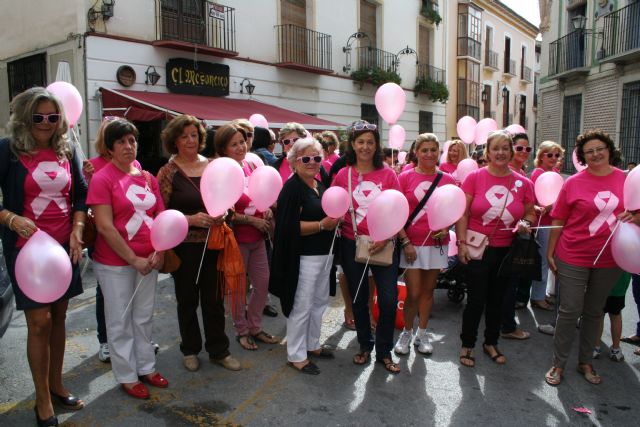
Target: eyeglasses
{"x":307,"y":159}
{"x":552,"y":155}
{"x":594,"y":151}
{"x":523,"y":148}
{"x":49,"y":118}
{"x":249,"y":134}
{"x":289,"y":140}
{"x":364,"y":126}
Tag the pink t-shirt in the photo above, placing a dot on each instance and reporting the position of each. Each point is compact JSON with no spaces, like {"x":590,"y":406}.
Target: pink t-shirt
{"x":447,"y":167}
{"x":247,"y":233}
{"x":414,"y":186}
{"x":47,"y":194}
{"x":134,"y":206}
{"x":590,"y":205}
{"x":99,"y":162}
{"x":285,"y":170}
{"x":365,"y":190}
{"x":546,"y":219}
{"x":408,"y":166}
{"x":488,"y":194}
{"x":332,"y":158}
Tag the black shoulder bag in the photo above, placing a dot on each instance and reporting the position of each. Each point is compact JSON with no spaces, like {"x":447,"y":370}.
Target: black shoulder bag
{"x":424,"y":200}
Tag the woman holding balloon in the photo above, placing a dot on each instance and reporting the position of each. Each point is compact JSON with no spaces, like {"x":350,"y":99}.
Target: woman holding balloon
{"x":43,"y":192}
{"x":124,"y":201}
{"x":179,"y":182}
{"x":456,"y":152}
{"x":302,"y":256}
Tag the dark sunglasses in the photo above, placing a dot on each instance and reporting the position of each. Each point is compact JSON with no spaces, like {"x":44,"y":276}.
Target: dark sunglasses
{"x":552,"y":155}
{"x":364,"y":126}
{"x":50,"y":118}
{"x":523,"y":148}
{"x":307,"y":159}
{"x":249,"y":134}
{"x":289,"y":140}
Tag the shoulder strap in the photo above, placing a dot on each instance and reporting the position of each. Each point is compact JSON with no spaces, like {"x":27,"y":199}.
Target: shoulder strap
{"x":353,"y":217}
{"x":428,"y":194}
{"x":179,"y":169}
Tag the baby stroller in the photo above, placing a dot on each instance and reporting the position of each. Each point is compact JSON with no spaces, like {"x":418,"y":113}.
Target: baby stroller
{"x":452,"y":279}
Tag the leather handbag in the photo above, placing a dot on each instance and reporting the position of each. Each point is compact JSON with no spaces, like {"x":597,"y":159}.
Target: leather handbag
{"x":171,"y":262}
{"x":89,"y":232}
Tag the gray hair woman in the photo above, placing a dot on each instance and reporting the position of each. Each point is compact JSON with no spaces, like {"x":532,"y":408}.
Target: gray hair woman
{"x":301,"y":266}
{"x":288,"y":135}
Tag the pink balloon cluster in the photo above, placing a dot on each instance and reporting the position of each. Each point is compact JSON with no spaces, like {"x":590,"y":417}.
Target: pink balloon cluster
{"x":397,"y":136}
{"x":515,"y":129}
{"x":445,"y":206}
{"x":547,"y":188}
{"x":259,"y":120}
{"x":221,"y":185}
{"x":335,"y":202}
{"x":625,"y":247}
{"x":254,"y":158}
{"x":265,"y":184}
{"x":70,"y":99}
{"x":483,"y":129}
{"x":390,"y":100}
{"x":387,"y":214}
{"x":631,"y":190}
{"x":168,"y":230}
{"x":466,"y":128}
{"x":465,"y":167}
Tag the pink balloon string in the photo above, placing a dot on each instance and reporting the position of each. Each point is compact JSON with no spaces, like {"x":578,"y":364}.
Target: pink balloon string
{"x":361,"y":279}
{"x":423,"y":242}
{"x":331,"y":248}
{"x":137,"y":287}
{"x":204,"y":249}
{"x":607,"y":242}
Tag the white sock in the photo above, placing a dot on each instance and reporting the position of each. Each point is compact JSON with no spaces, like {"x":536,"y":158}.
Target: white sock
{"x":410,"y":331}
{"x":421,"y":332}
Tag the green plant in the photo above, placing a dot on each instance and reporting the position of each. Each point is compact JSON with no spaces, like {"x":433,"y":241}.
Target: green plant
{"x":436,"y":91}
{"x":375,"y":76}
{"x":430,"y":12}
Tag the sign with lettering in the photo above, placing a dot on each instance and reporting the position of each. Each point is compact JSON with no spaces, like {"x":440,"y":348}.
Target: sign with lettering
{"x":201,"y":78}
{"x":216,"y":11}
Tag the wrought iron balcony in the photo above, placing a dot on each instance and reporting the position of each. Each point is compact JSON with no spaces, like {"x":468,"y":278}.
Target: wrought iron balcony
{"x":303,"y":49}
{"x":491,"y":59}
{"x":510,"y":67}
{"x":369,"y":58}
{"x":426,"y":71}
{"x":567,"y":55}
{"x":525,"y":73}
{"x":469,"y":47}
{"x":621,"y":39}
{"x":206,"y":26}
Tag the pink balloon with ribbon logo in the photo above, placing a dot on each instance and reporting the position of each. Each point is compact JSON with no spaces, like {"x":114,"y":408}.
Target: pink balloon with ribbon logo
{"x":547,"y":188}
{"x":466,"y":128}
{"x":390,"y":100}
{"x":168,"y":229}
{"x":632,"y":190}
{"x":402,"y":156}
{"x":259,"y":120}
{"x":397,"y":136}
{"x":483,"y":129}
{"x":515,"y":129}
{"x":387,"y":215}
{"x":254,"y":158}
{"x":43,"y":268}
{"x":265,"y":184}
{"x":335,"y":202}
{"x":221,"y":185}
{"x":70,"y":99}
{"x":453,"y":247}
{"x":625,"y":247}
{"x":576,"y":164}
{"x":445,"y":206}
{"x":465,"y":167}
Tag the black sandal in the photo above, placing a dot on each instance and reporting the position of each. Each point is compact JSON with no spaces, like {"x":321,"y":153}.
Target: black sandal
{"x":309,"y":369}
{"x":69,"y":402}
{"x":467,"y":356}
{"x":364,"y":356}
{"x":391,"y":366}
{"x":325,"y":353}
{"x":496,"y":356}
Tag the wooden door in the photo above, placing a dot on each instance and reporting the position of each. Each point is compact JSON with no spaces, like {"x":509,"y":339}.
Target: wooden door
{"x":293,"y":37}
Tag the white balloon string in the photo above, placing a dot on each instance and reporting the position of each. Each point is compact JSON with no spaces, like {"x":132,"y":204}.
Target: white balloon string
{"x":538,"y":225}
{"x":331,"y":248}
{"x":366,"y":265}
{"x":137,"y":287}
{"x":204,"y":249}
{"x":607,"y":242}
{"x":423,"y":242}
{"x":76,"y":142}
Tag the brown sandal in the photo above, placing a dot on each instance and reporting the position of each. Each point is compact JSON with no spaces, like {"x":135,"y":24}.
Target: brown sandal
{"x":266,"y":338}
{"x":362,"y":358}
{"x":246,"y":342}
{"x":391,"y":366}
{"x":589,"y":374}
{"x":553,"y":376}
{"x":467,"y":357}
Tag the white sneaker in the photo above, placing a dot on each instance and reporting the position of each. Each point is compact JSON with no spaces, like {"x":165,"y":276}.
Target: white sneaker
{"x":547,"y":329}
{"x":616,"y":355}
{"x":103,"y":353}
{"x":596,"y":353}
{"x":425,"y":346}
{"x":402,"y":346}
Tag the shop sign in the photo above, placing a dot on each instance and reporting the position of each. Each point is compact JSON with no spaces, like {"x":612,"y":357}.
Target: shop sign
{"x":216,"y":11}
{"x":197,"y":78}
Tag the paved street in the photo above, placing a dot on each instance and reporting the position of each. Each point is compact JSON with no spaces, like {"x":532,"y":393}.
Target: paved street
{"x":429,"y":391}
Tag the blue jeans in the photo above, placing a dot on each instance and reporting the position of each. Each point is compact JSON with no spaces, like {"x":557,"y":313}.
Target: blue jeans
{"x":635,"y":286}
{"x":386,"y":284}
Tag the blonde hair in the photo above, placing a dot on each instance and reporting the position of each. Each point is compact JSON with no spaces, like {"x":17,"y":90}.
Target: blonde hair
{"x":243,"y":123}
{"x":101,"y":149}
{"x":422,"y":138}
{"x":464,"y":154}
{"x":545,"y":147}
{"x":498,"y":135}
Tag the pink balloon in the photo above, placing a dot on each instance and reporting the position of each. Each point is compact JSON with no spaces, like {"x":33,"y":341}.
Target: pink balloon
{"x":390,"y":101}
{"x":397,"y":135}
{"x":387,"y":214}
{"x":43,"y":268}
{"x":259,"y":120}
{"x":254,"y":158}
{"x":70,"y":99}
{"x":445,"y":151}
{"x":335,"y":202}
{"x":466,"y":128}
{"x":465,"y":167}
{"x":445,"y":206}
{"x":547,"y":188}
{"x":578,"y":166}
{"x":221,"y":185}
{"x":168,"y":230}
{"x":483,"y":129}
{"x":625,"y":247}
{"x":265,"y":184}
{"x":632,"y":190}
{"x":514,"y":129}
{"x":402,"y":156}
{"x":453,"y":248}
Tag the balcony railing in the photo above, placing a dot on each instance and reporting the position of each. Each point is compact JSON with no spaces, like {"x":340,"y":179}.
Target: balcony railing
{"x":567,"y":53}
{"x":510,"y":67}
{"x":622,"y":33}
{"x":368,"y":58}
{"x":491,"y":59}
{"x":525,"y":73}
{"x":469,"y":47}
{"x":301,"y":48}
{"x":426,"y":71}
{"x":211,"y":27}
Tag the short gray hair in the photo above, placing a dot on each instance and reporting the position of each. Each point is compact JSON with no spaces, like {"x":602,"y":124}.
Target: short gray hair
{"x":301,"y":145}
{"x":292,"y":127}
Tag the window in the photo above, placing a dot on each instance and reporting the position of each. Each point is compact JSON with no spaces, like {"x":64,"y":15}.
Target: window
{"x":369,"y":113}
{"x":486,"y":95}
{"x":425,"y":121}
{"x":183,"y":20}
{"x":469,"y":31}
{"x":368,"y":22}
{"x":424,"y":44}
{"x":26,"y":73}
{"x":507,"y":55}
{"x":468,"y":89}
{"x":630,"y":123}
{"x":571,"y":124}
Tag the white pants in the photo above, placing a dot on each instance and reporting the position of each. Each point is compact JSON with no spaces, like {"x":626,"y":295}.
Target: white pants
{"x":311,"y":300}
{"x":130,"y":336}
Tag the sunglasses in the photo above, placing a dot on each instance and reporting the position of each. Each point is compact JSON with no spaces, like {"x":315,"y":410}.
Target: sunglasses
{"x":552,"y":155}
{"x":523,"y":148}
{"x":249,"y":134}
{"x":307,"y":159}
{"x":49,"y":118}
{"x":289,"y":140}
{"x":364,"y":126}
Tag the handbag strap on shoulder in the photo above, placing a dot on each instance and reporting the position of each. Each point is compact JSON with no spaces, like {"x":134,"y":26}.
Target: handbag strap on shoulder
{"x":504,"y":206}
{"x":351,"y":210}
{"x":424,"y":200}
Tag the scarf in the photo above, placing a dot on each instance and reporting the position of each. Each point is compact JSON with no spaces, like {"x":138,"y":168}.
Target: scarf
{"x":231,"y":276}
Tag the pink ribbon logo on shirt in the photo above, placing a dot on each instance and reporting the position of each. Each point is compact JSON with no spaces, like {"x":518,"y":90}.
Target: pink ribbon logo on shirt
{"x":52,"y":179}
{"x":142,"y":199}
{"x":364,"y":193}
{"x":495,"y":196}
{"x":419,"y":192}
{"x":606,"y":202}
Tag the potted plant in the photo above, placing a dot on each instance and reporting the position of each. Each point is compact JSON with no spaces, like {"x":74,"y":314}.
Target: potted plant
{"x":436,"y":91}
{"x":430,"y":11}
{"x":375,"y":76}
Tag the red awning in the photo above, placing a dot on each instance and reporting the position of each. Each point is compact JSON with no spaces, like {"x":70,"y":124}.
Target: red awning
{"x":149,"y":106}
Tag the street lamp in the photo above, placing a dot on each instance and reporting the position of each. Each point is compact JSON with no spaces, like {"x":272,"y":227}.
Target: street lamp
{"x":579,"y":22}
{"x":152,"y":75}
{"x":250,"y":87}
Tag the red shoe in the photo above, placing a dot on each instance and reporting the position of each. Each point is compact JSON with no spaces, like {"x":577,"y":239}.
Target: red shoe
{"x":156,"y":380}
{"x":139,"y":391}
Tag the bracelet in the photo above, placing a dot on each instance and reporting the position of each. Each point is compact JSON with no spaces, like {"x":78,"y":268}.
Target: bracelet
{"x":526,"y":221}
{"x":405,"y":243}
{"x":320,"y":226}
{"x":11,"y":222}
{"x":461,"y":242}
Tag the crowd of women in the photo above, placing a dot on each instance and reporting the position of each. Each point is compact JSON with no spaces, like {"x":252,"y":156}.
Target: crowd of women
{"x":288,"y":249}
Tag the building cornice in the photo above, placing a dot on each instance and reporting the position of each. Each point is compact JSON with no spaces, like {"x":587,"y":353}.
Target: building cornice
{"x":509,"y":16}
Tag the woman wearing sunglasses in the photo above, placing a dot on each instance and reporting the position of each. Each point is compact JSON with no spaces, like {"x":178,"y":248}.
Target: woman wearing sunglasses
{"x":301,"y":256}
{"x":369,"y":177}
{"x":288,"y":135}
{"x":43,"y":189}
{"x":522,"y":151}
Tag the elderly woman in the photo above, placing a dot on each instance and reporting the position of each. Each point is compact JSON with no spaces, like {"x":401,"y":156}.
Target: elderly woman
{"x":302,"y":259}
{"x":288,"y":135}
{"x":365,"y":177}
{"x":179,"y":182}
{"x":124,"y":200}
{"x":457,"y":152}
{"x":497,"y":199}
{"x":43,"y":189}
{"x":422,"y":259}
{"x":586,"y":208}
{"x":250,"y":228}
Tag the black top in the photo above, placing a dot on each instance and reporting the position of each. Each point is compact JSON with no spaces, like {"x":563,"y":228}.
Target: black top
{"x":311,"y":204}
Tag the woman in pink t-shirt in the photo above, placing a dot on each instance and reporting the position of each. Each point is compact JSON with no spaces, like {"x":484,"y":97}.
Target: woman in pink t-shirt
{"x":497,"y":201}
{"x":421,"y":258}
{"x":455,"y":154}
{"x":288,"y":135}
{"x":588,"y":208}
{"x":125,"y":200}
{"x":250,"y":228}
{"x":369,"y":177}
